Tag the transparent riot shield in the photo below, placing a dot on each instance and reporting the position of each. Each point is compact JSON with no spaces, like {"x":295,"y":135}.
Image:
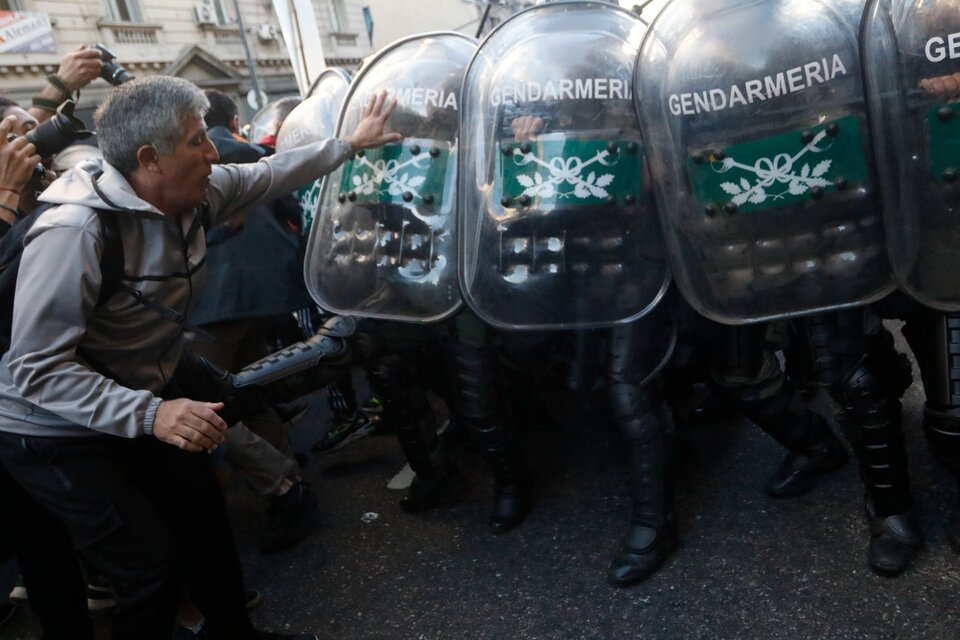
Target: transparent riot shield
{"x":558,"y":228}
{"x":383,"y":240}
{"x":313,"y":120}
{"x":265,"y":123}
{"x":911,"y":58}
{"x":756,"y":127}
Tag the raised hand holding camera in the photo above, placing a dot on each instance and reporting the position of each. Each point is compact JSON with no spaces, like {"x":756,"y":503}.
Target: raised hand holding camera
{"x":18,"y":157}
{"x":79,"y":68}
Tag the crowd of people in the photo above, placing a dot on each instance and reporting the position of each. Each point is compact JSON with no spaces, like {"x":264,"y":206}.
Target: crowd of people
{"x":142,"y":290}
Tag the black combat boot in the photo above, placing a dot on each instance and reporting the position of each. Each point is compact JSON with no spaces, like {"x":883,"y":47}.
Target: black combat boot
{"x":942,"y":427}
{"x":652,"y":534}
{"x":512,"y":498}
{"x":798,"y":473}
{"x":893,"y":541}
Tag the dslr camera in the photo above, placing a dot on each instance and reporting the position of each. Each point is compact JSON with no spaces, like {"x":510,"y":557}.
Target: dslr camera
{"x":57,"y":133}
{"x":63,"y":129}
{"x":111,"y":71}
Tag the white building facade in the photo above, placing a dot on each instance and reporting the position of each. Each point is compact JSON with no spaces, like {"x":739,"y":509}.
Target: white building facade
{"x":195,"y":39}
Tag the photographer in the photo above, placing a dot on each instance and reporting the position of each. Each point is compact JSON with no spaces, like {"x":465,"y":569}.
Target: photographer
{"x":77,"y":69}
{"x":18,"y":159}
{"x":41,"y":544}
{"x":138,"y":509}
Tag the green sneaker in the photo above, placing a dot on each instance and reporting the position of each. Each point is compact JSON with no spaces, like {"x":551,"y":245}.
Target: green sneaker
{"x":344,"y":432}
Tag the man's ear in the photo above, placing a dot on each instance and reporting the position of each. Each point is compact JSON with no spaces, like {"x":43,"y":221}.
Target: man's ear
{"x":235,"y":124}
{"x":148,"y":157}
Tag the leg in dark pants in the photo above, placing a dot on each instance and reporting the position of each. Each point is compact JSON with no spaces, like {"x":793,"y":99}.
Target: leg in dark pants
{"x":184,"y":490}
{"x":479,"y":400}
{"x":399,"y":386}
{"x":393,"y":355}
{"x":84,"y":482}
{"x":48,"y":563}
{"x":642,"y":420}
{"x":934,"y":337}
{"x":852,"y":353}
{"x":750,"y":373}
{"x":128,"y":505}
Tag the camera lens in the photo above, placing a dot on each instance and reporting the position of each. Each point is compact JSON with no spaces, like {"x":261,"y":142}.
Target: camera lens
{"x":59,"y":132}
{"x":115,"y":74}
{"x":111,"y":71}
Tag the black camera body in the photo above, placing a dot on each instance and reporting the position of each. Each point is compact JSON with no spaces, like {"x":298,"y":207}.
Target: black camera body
{"x":111,"y":71}
{"x":57,"y":133}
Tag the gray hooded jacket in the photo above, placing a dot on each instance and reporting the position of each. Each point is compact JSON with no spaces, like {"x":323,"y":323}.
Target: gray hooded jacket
{"x":46,"y":387}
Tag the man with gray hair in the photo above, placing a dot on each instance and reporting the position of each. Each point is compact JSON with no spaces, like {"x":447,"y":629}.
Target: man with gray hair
{"x":83,"y":426}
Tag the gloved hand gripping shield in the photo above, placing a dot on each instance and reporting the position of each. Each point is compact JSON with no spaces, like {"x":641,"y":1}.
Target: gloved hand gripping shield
{"x":313,"y":120}
{"x":911,"y":58}
{"x":761,"y":156}
{"x":383,"y":242}
{"x":557,"y":229}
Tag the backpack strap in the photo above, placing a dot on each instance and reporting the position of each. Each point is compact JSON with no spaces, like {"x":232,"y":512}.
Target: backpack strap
{"x":111,"y":259}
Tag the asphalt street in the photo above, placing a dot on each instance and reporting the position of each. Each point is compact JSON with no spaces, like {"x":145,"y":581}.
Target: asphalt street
{"x":748,"y":566}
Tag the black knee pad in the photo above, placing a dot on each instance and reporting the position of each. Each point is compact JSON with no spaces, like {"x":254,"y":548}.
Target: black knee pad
{"x":634,"y":412}
{"x":868,"y":392}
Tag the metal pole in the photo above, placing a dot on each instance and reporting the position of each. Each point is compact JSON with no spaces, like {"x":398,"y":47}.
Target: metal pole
{"x":246,"y":51}
{"x":483,"y":20}
{"x":303,"y":56}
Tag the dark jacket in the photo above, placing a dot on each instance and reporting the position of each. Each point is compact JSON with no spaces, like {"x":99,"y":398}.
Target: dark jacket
{"x":258,"y":272}
{"x":231,"y":150}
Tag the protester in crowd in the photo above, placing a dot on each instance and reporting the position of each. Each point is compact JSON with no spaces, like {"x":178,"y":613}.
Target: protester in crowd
{"x":243,"y":297}
{"x":46,"y":558}
{"x":44,"y":553}
{"x":80,"y":392}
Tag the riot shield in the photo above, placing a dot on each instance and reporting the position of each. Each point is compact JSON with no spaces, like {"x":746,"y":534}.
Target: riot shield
{"x":383,"y":240}
{"x":265,"y":123}
{"x":911,"y":59}
{"x":757,"y":136}
{"x":313,"y":120}
{"x":558,"y":228}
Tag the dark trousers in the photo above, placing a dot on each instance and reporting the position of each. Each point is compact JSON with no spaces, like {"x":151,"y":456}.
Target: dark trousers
{"x":146,"y":515}
{"x":48,"y":563}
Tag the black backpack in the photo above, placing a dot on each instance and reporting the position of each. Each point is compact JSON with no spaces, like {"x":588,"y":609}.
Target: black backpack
{"x":11,"y":251}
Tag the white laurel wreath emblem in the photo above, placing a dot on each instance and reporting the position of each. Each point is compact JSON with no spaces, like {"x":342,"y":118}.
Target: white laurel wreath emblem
{"x":308,"y":201}
{"x":564,"y":171}
{"x":779,"y":169}
{"x":384,"y":172}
